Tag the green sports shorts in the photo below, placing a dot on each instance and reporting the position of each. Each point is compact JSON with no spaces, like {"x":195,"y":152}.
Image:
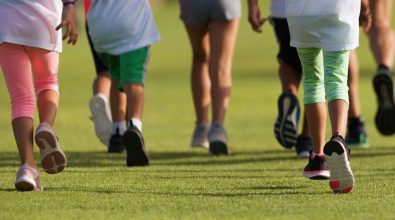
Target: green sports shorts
{"x":129,"y":67}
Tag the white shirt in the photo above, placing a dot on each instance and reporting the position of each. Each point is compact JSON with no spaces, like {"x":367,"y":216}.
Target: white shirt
{"x":328,"y":24}
{"x":120,"y":26}
{"x":277,"y":8}
{"x":31,"y":23}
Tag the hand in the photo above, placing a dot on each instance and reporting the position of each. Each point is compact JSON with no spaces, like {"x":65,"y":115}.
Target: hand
{"x":365,"y":17}
{"x":69,"y":24}
{"x":255,"y":19}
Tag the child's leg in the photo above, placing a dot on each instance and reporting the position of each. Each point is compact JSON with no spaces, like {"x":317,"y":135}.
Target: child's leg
{"x":314,"y":95}
{"x":222,"y":42}
{"x":353,"y":83}
{"x":336,"y":71}
{"x":15,"y":64}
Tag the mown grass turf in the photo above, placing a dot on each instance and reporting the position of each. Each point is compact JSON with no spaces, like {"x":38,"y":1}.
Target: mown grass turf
{"x":258,"y":180}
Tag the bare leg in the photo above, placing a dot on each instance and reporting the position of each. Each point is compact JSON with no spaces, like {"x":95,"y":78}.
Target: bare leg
{"x":222,"y":43}
{"x":316,"y":118}
{"x":118,"y":103}
{"x":23,"y":133}
{"x":47,"y":103}
{"x":353,"y":84}
{"x":381,"y":35}
{"x":102,"y":84}
{"x":200,"y":81}
{"x":135,"y":99}
{"x":338,"y":114}
{"x":290,"y":79}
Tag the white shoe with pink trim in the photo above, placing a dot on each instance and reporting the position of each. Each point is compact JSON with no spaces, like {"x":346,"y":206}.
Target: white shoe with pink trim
{"x":28,"y":179}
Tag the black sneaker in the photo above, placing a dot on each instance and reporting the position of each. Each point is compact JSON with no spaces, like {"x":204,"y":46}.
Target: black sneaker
{"x":286,"y":125}
{"x":356,"y":135}
{"x":303,"y":147}
{"x":135,"y":148}
{"x":385,"y":116}
{"x":316,"y":169}
{"x":337,"y":155}
{"x":116,"y":145}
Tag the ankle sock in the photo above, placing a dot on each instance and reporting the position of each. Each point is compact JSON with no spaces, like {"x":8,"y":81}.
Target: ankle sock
{"x":118,"y":127}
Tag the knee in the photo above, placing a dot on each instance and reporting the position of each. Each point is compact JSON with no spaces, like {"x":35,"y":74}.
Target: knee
{"x":47,"y":83}
{"x":200,"y":56}
{"x":23,"y":105}
{"x":336,"y":91}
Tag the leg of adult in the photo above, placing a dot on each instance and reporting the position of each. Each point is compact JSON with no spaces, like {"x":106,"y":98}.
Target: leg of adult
{"x":222,"y":42}
{"x":200,"y":80}
{"x":381,"y":35}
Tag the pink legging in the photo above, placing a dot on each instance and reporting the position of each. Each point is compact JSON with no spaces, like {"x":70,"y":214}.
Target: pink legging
{"x":27,"y":72}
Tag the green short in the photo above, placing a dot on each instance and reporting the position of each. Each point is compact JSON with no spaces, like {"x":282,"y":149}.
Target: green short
{"x":129,"y":67}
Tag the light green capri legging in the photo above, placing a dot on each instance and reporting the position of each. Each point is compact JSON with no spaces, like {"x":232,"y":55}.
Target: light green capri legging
{"x":325,"y":74}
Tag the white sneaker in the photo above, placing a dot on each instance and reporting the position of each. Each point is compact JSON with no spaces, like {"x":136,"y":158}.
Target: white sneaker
{"x":28,"y":179}
{"x":199,"y":136}
{"x":53,"y":160}
{"x":101,"y":117}
{"x":218,"y":140}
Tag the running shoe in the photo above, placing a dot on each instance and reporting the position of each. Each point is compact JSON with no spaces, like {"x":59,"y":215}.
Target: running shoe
{"x":53,"y":160}
{"x":101,"y":117}
{"x":218,"y":140}
{"x":337,"y":156}
{"x":28,"y":179}
{"x":385,"y":116}
{"x":356,"y":136}
{"x":199,"y":136}
{"x":316,"y":168}
{"x":286,"y":125}
{"x":135,"y":148}
{"x":116,"y":144}
{"x":303,"y":147}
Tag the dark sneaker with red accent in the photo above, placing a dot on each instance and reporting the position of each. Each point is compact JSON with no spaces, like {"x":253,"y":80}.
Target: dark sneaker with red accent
{"x":385,"y":116}
{"x":286,"y":125}
{"x":337,"y":156}
{"x":135,"y":148}
{"x":316,"y":169}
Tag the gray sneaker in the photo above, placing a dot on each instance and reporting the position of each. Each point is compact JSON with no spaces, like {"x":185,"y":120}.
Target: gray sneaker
{"x":218,"y":140}
{"x":199,"y":136}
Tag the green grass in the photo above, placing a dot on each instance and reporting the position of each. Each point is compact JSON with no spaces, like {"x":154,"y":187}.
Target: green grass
{"x":258,"y":180}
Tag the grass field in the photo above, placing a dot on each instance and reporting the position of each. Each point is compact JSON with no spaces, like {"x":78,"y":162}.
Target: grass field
{"x":258,"y":180}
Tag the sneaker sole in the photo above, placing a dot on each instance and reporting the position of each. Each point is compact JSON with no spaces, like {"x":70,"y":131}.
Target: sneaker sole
{"x":385,"y":116}
{"x":134,"y":144}
{"x":101,"y":119}
{"x":218,"y":148}
{"x":317,"y":175}
{"x":53,"y":160}
{"x":285,"y":130}
{"x":341,"y":179}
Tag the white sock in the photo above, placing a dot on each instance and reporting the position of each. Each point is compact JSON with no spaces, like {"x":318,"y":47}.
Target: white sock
{"x":101,"y":95}
{"x":119,"y":126}
{"x":138,"y":123}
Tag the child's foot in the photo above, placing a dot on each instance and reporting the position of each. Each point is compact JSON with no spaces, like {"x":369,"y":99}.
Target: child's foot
{"x":286,"y":125}
{"x":116,"y":144}
{"x":199,"y":136}
{"x":316,"y":169}
{"x":27,"y":179}
{"x":356,"y":135}
{"x":337,"y":155}
{"x":53,"y":160}
{"x":385,"y":116}
{"x":218,"y":141}
{"x":101,"y":117}
{"x":303,"y":147}
{"x":135,"y":148}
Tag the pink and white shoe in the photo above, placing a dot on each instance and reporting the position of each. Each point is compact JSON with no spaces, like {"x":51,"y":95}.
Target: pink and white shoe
{"x":28,"y":179}
{"x":53,"y":160}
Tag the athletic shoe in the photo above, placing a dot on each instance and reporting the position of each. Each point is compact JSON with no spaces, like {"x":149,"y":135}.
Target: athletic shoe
{"x":303,"y":147}
{"x":116,"y":144}
{"x":286,"y":125}
{"x":316,"y":169}
{"x":53,"y":160}
{"x":356,"y":136}
{"x":218,"y":140}
{"x":199,"y":136}
{"x":101,"y":117}
{"x":135,"y":148}
{"x":337,"y":155}
{"x":385,"y":116}
{"x":28,"y":179}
